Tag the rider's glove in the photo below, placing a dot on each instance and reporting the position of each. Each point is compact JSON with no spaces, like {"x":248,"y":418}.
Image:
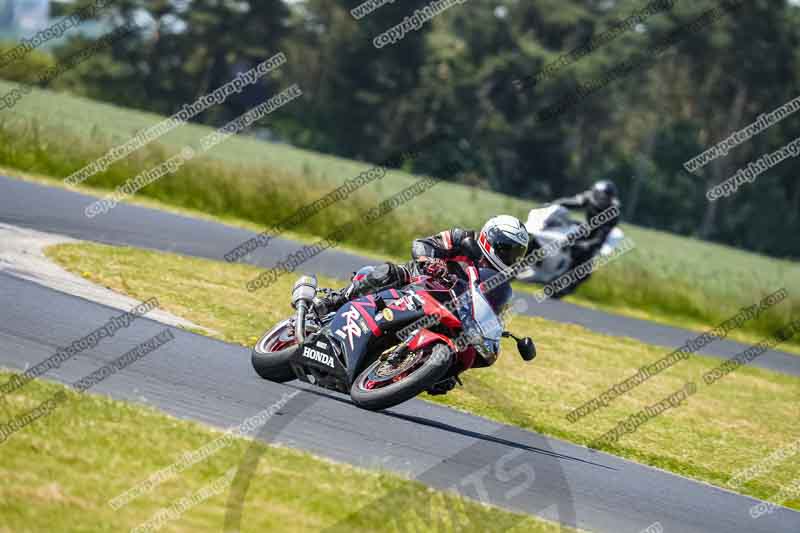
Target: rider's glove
{"x":435,"y":268}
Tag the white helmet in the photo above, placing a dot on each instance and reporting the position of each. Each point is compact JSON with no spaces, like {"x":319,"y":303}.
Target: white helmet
{"x":503,"y":241}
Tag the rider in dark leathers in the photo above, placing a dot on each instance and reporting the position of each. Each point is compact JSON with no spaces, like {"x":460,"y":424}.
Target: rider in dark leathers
{"x":596,"y":200}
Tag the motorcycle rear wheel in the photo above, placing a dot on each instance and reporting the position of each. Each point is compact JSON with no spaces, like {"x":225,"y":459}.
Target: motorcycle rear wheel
{"x":270,"y":356}
{"x":380,"y":386}
{"x":557,"y":295}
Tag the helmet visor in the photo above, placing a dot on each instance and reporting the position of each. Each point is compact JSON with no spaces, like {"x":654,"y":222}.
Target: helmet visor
{"x":601,"y":198}
{"x":509,"y":252}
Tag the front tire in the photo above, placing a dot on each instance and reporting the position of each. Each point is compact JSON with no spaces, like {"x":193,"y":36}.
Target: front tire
{"x":374,"y":389}
{"x":270,"y":356}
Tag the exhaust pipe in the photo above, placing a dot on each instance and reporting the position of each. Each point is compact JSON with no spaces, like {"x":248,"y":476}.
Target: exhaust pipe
{"x":303,"y":293}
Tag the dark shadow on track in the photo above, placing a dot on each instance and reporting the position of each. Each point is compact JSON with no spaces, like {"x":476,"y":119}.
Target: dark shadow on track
{"x":452,"y":429}
{"x":482,"y":436}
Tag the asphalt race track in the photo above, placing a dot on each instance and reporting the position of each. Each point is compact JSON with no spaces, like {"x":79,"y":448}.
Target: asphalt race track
{"x":197,"y":378}
{"x":60,"y":211}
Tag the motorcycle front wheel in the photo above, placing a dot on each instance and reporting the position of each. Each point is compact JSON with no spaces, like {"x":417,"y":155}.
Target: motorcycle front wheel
{"x":387,"y":382}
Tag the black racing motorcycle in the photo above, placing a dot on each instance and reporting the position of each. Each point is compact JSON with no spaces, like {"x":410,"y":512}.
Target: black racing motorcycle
{"x":388,"y":347}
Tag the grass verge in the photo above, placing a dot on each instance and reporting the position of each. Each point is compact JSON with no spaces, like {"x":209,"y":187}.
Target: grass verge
{"x":743,"y":335}
{"x":720,"y":430}
{"x":60,"y":472}
{"x":666,"y":277}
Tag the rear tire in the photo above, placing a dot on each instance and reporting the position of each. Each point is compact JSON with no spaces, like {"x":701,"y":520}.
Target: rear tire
{"x":572,"y":288}
{"x":431,"y":371}
{"x":274,"y":365}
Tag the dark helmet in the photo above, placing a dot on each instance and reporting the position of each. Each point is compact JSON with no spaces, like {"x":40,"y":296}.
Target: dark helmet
{"x":603,"y":194}
{"x":503,"y":241}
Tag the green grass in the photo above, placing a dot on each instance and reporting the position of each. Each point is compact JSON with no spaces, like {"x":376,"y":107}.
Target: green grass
{"x":60,"y":472}
{"x":721,"y":430}
{"x":744,"y":335}
{"x":672,"y":279}
{"x":695,"y":284}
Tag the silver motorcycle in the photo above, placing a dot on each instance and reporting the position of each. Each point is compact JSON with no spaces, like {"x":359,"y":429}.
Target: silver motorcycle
{"x":554,"y":230}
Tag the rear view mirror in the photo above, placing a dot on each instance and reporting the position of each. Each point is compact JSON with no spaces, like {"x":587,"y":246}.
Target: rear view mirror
{"x":526,"y":349}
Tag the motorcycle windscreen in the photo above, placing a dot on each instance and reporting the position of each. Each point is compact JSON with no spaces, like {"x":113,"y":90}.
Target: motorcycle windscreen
{"x":489,"y":324}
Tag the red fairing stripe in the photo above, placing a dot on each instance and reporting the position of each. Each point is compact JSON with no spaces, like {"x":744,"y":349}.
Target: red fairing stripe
{"x":425,"y":337}
{"x":432,"y":307}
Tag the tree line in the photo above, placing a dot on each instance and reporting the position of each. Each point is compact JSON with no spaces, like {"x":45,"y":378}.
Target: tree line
{"x":535,"y":99}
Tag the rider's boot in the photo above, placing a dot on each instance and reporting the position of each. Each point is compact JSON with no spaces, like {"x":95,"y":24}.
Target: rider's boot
{"x":330,"y":302}
{"x":442,"y":387}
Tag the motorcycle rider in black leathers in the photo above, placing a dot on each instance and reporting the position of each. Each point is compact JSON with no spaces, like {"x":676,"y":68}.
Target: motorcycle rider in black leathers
{"x":596,"y":200}
{"x":502,"y":242}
